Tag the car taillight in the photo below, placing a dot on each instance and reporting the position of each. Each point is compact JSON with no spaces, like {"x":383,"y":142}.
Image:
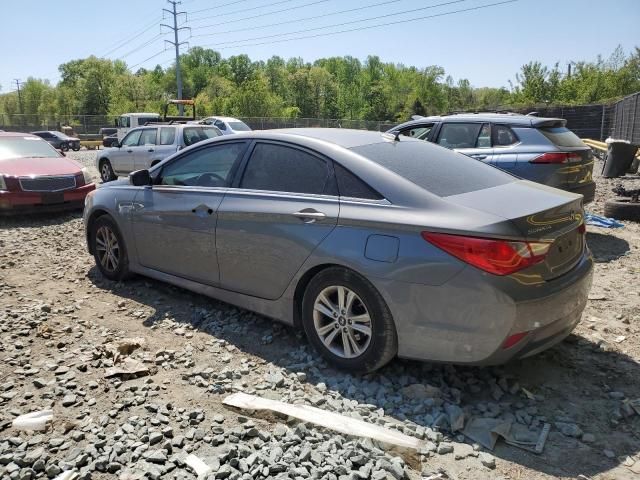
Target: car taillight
{"x":500,"y":257}
{"x":557,"y":157}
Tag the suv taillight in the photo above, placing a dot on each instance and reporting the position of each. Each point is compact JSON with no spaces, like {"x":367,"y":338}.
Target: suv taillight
{"x":500,"y":257}
{"x":557,"y":157}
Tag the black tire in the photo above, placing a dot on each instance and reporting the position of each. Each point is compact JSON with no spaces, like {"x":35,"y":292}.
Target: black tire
{"x":64,"y":147}
{"x":97,"y":236}
{"x":106,"y":172}
{"x":383,"y":344}
{"x":622,"y":208}
{"x":75,"y":149}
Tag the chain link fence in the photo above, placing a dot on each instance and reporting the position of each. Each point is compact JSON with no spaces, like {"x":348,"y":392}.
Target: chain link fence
{"x":626,"y":119}
{"x":597,"y":122}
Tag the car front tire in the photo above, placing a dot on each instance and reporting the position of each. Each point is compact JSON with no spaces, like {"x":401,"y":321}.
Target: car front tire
{"x":106,"y":172}
{"x":109,"y":249}
{"x":348,"y":322}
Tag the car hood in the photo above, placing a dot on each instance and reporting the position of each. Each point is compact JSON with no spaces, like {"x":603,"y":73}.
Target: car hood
{"x":22,"y":167}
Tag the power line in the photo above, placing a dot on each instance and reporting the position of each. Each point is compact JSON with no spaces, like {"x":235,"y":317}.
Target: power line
{"x":122,"y":43}
{"x":261,"y":15}
{"x":140,"y":47}
{"x":214,"y":8}
{"x":378,"y":17}
{"x":217,"y":15}
{"x":315,"y":17}
{"x":370,"y":26}
{"x":148,"y":58}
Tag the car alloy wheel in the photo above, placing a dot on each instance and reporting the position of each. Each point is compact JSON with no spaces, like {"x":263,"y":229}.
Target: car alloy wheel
{"x":106,"y":173}
{"x":107,"y":248}
{"x":342,"y":322}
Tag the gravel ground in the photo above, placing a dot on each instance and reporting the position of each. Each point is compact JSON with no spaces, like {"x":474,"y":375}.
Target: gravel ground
{"x":62,"y":325}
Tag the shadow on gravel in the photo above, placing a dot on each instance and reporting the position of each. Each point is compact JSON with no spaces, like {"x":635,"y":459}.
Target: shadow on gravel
{"x":571,"y":382}
{"x":35,"y":220}
{"x":606,"y":247}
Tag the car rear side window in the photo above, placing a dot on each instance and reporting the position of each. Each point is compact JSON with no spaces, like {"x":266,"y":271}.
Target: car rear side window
{"x":459,"y":135}
{"x":284,"y":169}
{"x":193,"y":135}
{"x":561,"y":137}
{"x":437,"y":170}
{"x":167,"y":135}
{"x":503,"y":136}
{"x":349,"y":185}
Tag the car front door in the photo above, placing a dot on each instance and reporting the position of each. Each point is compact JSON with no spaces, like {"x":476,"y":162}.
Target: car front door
{"x":123,"y":159}
{"x":472,"y":139}
{"x":174,"y":221}
{"x":279,"y":210}
{"x":146,"y":149}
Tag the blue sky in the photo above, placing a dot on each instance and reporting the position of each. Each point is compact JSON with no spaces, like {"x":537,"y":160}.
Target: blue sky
{"x":487,"y":45}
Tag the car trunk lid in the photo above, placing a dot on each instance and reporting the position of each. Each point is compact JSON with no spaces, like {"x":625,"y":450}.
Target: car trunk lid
{"x":540,"y":214}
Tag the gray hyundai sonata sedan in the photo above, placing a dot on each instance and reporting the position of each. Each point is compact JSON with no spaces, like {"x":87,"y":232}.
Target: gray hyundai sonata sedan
{"x":376,"y":246}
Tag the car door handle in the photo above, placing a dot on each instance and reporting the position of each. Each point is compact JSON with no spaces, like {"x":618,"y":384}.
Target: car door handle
{"x":151,"y":150}
{"x":202,"y":210}
{"x":479,"y":157}
{"x":309,"y":215}
{"x":129,"y":151}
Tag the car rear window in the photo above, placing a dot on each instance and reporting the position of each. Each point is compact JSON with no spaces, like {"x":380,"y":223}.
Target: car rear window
{"x":239,"y":126}
{"x":561,"y":137}
{"x":436,"y":169}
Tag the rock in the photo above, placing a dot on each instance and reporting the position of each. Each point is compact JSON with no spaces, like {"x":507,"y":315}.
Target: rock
{"x":487,"y":460}
{"x":275,"y":378}
{"x":156,"y":456}
{"x":69,"y":400}
{"x":588,"y":438}
{"x":419,"y":391}
{"x":456,"y":417}
{"x":609,"y":453}
{"x":569,"y":429}
{"x":444,"y":448}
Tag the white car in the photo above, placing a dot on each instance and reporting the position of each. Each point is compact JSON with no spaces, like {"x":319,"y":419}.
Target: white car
{"x":143,"y":147}
{"x":227,"y":125}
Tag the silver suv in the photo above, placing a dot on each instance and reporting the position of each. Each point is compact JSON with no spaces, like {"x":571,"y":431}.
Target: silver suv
{"x":539,"y":149}
{"x":143,"y":147}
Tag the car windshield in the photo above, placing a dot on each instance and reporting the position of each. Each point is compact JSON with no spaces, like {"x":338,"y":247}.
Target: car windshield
{"x":239,"y":126}
{"x":193,"y":135}
{"x":20,"y":147}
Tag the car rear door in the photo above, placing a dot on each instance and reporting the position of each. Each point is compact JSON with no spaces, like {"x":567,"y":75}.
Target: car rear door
{"x":471,"y":138}
{"x":281,"y":207}
{"x":146,"y":149}
{"x":174,"y":221}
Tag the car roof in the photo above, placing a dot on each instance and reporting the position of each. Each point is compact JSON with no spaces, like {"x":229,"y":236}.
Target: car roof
{"x":18,"y":134}
{"x":342,"y":137}
{"x":514,"y":119}
{"x":226,"y":119}
{"x":140,"y":114}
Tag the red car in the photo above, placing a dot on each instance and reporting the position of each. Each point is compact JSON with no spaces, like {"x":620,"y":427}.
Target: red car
{"x":34,"y":177}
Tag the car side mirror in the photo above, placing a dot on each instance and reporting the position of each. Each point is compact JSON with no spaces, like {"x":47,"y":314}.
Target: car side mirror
{"x":140,"y":178}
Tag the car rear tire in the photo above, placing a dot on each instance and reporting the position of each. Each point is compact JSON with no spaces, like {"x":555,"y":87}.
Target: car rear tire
{"x":75,"y":149}
{"x":622,"y":208}
{"x":348,"y":322}
{"x":106,"y":172}
{"x":64,"y":147}
{"x":109,"y":249}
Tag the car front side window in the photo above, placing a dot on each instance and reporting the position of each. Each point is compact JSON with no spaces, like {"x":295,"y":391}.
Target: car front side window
{"x":421,"y":132}
{"x":148,"y":136}
{"x":131,"y":140}
{"x":210,"y":166}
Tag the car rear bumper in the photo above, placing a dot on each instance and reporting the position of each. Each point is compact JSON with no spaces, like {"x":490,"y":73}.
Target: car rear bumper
{"x":29,"y":202}
{"x":588,"y":191}
{"x":468,"y":319}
